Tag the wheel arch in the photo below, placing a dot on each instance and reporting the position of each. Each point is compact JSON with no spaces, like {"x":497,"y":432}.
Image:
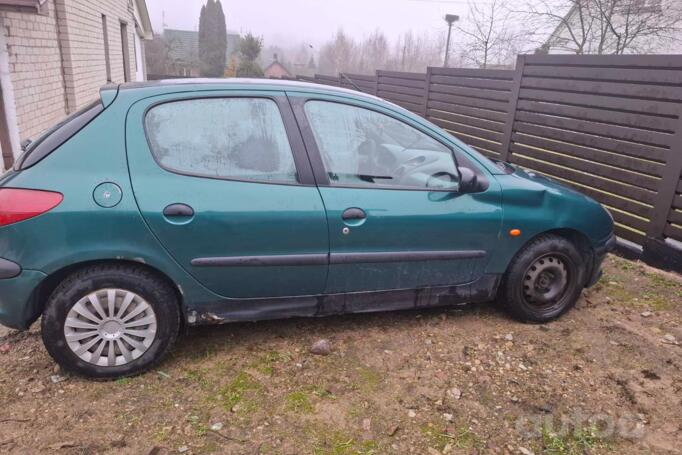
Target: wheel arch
{"x":577,"y":238}
{"x":580,"y":240}
{"x":42,"y":293}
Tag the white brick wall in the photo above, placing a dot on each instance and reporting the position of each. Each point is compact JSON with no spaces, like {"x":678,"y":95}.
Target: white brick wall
{"x":50,"y":81}
{"x":85,"y":66}
{"x":35,"y":69}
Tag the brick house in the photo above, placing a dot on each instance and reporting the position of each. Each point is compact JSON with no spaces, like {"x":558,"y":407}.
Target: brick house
{"x":646,"y":34}
{"x":183,"y":52}
{"x":276,"y":70}
{"x":56,"y":54}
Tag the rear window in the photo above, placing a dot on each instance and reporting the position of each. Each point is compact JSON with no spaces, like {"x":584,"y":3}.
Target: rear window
{"x":51,"y":139}
{"x":224,"y":138}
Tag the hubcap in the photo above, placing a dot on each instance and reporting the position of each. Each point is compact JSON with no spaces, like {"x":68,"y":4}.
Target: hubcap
{"x":545,"y":281}
{"x":110,"y":327}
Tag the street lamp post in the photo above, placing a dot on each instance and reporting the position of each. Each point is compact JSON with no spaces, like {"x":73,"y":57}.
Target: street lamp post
{"x":450,"y":19}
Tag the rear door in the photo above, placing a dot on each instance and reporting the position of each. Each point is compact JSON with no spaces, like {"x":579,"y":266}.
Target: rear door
{"x":397,"y":219}
{"x":223,"y":181}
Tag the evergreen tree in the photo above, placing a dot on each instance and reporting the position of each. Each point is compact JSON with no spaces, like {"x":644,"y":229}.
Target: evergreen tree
{"x":249,"y":49}
{"x":212,"y":39}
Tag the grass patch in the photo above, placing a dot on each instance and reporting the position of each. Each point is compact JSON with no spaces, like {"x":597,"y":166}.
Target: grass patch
{"x":234,"y":393}
{"x":368,"y":379}
{"x":463,"y":438}
{"x":579,"y":442}
{"x":163,"y":434}
{"x":198,"y":376}
{"x":663,"y":281}
{"x":341,"y":444}
{"x":199,"y":427}
{"x":266,"y":363}
{"x":299,"y":402}
{"x":655,"y":302}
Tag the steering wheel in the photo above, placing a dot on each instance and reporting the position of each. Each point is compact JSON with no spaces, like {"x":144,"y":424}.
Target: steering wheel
{"x":442,"y":181}
{"x":409,"y":165}
{"x":375,"y":158}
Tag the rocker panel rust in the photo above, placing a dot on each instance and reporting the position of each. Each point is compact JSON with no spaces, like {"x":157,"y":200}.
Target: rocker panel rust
{"x":234,"y":310}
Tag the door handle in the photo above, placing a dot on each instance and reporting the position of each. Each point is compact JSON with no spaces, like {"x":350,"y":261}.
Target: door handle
{"x":354,"y":213}
{"x":178,"y":210}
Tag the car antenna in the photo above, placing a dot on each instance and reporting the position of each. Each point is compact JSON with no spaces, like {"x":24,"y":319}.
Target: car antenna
{"x":343,"y":75}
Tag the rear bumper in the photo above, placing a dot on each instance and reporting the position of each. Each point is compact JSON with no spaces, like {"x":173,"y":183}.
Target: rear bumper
{"x":17,"y":309}
{"x":600,"y":252}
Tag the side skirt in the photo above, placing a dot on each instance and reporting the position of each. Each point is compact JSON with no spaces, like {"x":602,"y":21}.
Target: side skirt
{"x":231,"y":310}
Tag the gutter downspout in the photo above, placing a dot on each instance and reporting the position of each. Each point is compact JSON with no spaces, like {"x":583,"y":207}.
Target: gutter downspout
{"x":62,"y":61}
{"x":8,"y":95}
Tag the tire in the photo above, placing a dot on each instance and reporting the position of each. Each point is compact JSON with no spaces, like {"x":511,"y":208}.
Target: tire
{"x":544,"y":280}
{"x":140,"y":327}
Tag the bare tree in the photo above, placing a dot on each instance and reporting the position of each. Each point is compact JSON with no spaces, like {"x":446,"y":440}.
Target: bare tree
{"x":409,"y":52}
{"x":489,"y":37}
{"x":156,"y":52}
{"x":640,"y":25}
{"x":338,"y":55}
{"x":414,"y":53}
{"x":569,"y":23}
{"x":374,"y":53}
{"x":606,"y":26}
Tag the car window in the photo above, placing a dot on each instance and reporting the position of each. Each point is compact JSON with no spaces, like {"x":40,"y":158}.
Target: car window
{"x":54,"y":137}
{"x":364,"y":147}
{"x":232,"y":138}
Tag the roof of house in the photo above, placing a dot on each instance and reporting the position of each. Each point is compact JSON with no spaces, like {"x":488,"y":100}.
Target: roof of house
{"x":142,"y":20}
{"x":276,"y":65}
{"x":184,"y":45}
{"x":27,"y":3}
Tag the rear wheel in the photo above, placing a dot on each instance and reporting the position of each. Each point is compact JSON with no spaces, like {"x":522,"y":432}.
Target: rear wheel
{"x":110,"y":321}
{"x":544,"y":280}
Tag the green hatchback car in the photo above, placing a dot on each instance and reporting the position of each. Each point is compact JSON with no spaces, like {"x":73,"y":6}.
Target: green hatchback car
{"x":186,"y":202}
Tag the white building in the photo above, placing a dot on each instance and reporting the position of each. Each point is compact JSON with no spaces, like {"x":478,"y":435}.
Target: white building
{"x":56,"y":54}
{"x":638,"y":26}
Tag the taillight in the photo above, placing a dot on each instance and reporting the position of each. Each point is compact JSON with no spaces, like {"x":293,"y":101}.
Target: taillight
{"x":19,"y":205}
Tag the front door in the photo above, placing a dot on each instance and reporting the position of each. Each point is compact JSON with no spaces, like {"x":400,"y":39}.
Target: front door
{"x":397,"y":219}
{"x":223,"y":181}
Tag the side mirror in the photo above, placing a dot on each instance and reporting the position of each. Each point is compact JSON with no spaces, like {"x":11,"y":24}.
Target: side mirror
{"x":468,"y":180}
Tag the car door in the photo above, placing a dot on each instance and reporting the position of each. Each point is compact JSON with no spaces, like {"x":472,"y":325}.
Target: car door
{"x":223,"y":181}
{"x":397,"y":219}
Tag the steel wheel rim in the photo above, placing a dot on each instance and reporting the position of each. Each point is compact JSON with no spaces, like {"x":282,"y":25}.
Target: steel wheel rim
{"x":546,"y":280}
{"x":110,"y":327}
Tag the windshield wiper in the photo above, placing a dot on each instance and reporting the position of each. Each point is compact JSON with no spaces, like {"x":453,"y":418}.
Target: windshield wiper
{"x":371,"y":178}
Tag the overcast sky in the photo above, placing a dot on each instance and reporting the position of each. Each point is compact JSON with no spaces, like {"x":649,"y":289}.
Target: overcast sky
{"x":292,"y":21}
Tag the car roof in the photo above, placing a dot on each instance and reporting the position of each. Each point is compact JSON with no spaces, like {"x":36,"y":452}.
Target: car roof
{"x":139,"y":90}
{"x":272,"y":84}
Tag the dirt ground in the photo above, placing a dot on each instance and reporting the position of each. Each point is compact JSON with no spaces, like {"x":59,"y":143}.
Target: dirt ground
{"x":605,"y":378}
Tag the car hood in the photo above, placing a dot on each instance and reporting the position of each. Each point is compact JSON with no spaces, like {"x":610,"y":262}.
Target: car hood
{"x":548,"y":182}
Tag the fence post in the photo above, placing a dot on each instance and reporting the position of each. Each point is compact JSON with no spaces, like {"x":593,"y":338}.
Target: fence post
{"x":376,"y":83}
{"x":668,"y":185}
{"x":511,"y":113}
{"x":427,"y":90}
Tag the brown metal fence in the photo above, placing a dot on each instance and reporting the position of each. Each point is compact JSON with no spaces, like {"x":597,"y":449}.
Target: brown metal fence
{"x":610,"y":126}
{"x":363,"y":83}
{"x":404,"y":89}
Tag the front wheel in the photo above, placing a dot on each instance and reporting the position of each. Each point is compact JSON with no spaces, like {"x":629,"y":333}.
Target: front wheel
{"x":544,"y":280}
{"x":110,"y":321}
